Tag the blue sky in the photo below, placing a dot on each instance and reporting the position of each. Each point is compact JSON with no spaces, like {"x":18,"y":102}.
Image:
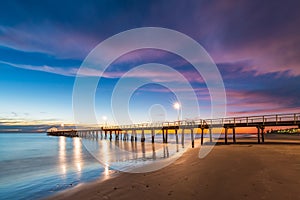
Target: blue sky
{"x":255,"y":45}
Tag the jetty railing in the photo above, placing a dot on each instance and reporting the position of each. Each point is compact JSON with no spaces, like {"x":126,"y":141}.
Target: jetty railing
{"x":259,"y":121}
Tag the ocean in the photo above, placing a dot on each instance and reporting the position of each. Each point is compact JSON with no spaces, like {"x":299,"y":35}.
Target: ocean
{"x":35,"y":165}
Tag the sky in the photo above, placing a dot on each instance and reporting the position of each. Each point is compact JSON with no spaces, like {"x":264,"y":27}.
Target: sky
{"x":254,"y":44}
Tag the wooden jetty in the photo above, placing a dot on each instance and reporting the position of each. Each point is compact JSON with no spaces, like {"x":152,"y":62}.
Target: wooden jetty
{"x":123,"y":131}
{"x":68,"y":133}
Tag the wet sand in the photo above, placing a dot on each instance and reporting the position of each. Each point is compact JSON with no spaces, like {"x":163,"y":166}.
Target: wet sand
{"x":234,"y":171}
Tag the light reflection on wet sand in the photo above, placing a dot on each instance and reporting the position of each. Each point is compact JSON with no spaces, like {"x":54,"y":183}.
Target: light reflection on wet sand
{"x":113,"y":155}
{"x":122,"y":155}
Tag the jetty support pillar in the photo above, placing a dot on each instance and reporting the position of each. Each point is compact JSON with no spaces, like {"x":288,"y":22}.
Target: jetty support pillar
{"x":258,"y":135}
{"x":233,"y":135}
{"x":135,"y":136}
{"x":226,"y":132}
{"x":182,"y":137}
{"x":152,"y":135}
{"x":210,"y":134}
{"x":143,"y":136}
{"x":166,"y":136}
{"x":192,"y":137}
{"x":176,"y":135}
{"x":132,"y":136}
{"x":202,"y":132}
{"x":262,"y":134}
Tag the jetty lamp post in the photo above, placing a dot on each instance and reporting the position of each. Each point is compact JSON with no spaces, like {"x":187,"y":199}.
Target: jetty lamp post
{"x":105,"y":120}
{"x":177,"y":106}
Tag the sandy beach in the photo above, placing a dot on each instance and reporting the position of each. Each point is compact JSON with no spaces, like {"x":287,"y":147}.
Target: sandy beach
{"x":235,"y":171}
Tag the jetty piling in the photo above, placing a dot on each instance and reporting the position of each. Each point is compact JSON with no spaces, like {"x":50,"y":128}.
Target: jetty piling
{"x":202,"y":132}
{"x":233,"y":135}
{"x":192,"y":137}
{"x":226,"y":132}
{"x":182,"y":137}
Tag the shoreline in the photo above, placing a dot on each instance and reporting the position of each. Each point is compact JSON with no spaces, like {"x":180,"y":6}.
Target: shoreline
{"x":67,"y":193}
{"x":235,"y":171}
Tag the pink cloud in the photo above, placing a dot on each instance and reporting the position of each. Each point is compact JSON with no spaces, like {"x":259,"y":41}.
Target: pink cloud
{"x":245,"y":103}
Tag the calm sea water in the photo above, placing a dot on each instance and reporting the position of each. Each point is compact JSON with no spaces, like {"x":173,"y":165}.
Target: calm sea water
{"x":33,"y":166}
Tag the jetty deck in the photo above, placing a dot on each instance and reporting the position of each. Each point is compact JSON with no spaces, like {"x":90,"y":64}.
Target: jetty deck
{"x":133,"y":130}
